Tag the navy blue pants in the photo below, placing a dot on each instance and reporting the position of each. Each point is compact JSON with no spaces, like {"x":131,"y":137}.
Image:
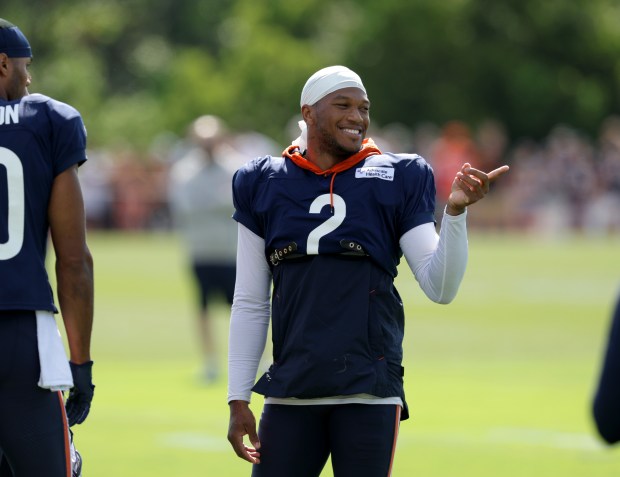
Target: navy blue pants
{"x":297,"y":440}
{"x":34,"y":435}
{"x":213,"y":278}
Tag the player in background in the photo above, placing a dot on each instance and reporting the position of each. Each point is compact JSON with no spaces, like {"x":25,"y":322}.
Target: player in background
{"x":327,"y":223}
{"x":201,"y":206}
{"x":606,"y":405}
{"x":42,"y":143}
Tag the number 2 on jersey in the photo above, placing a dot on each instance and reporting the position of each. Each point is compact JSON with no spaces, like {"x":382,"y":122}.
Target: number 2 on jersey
{"x":331,"y":224}
{"x":16,"y":209}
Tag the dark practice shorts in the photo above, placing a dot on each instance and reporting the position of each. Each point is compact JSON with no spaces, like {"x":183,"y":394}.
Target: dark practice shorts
{"x":215,"y":278}
{"x":34,"y":435}
{"x":297,"y":440}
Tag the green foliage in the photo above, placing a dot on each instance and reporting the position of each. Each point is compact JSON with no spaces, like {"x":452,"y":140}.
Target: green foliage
{"x":137,"y":68}
{"x":530,"y":64}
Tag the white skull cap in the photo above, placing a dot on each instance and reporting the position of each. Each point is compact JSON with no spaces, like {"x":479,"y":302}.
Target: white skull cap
{"x":319,"y":85}
{"x":328,"y":80}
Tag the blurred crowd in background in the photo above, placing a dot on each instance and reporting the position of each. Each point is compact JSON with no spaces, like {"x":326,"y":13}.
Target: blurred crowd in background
{"x":563,"y":183}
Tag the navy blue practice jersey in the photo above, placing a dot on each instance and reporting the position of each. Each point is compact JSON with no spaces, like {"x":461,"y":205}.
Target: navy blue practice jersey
{"x":607,"y":397}
{"x":39,"y":139}
{"x":333,"y":246}
{"x":374,"y":203}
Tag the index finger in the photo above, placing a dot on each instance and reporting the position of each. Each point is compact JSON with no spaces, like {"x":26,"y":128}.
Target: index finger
{"x":494,"y":174}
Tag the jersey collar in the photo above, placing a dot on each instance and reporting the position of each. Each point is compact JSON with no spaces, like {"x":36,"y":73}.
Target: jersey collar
{"x":368,"y":149}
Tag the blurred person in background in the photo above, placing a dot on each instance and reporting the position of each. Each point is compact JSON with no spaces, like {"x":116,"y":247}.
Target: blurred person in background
{"x":42,"y":144}
{"x":601,"y":215}
{"x":201,"y":206}
{"x":328,"y":223}
{"x":97,"y":190}
{"x":606,"y":405}
{"x":570,"y":179}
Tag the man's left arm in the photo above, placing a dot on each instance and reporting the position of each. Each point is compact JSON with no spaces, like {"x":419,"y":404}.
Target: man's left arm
{"x":439,"y":261}
{"x":469,"y":186}
{"x":75,"y":283}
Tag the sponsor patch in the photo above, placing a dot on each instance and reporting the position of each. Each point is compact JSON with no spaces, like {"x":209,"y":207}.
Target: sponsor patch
{"x":385,"y":173}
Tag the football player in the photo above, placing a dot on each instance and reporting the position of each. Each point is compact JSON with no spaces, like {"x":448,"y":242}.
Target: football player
{"x":327,"y":224}
{"x":201,"y":205}
{"x":606,"y":406}
{"x":42,"y":143}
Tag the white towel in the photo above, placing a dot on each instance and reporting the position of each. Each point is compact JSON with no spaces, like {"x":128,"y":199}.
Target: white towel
{"x":55,"y":370}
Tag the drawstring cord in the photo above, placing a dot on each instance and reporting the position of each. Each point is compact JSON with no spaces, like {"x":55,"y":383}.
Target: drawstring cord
{"x":294,"y":154}
{"x":331,"y":192}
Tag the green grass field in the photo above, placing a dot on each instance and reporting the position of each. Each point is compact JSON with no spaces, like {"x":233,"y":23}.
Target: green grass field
{"x":498,"y":383}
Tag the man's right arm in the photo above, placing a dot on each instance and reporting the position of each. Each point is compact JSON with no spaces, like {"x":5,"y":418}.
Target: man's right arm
{"x":249,"y":323}
{"x":250,"y":313}
{"x":242,"y":423}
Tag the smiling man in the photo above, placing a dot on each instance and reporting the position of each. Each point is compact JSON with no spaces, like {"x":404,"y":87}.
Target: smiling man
{"x":327,"y":223}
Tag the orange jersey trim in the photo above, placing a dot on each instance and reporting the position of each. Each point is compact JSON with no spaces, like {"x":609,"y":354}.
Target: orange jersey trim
{"x":396,"y":429}
{"x":368,"y":149}
{"x":294,"y":154}
{"x":66,"y":434}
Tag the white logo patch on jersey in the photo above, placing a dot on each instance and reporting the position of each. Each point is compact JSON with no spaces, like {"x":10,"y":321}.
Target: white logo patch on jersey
{"x":385,"y":173}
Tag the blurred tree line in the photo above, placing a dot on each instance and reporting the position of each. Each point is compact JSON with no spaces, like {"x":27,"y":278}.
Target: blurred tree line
{"x":135,"y":68}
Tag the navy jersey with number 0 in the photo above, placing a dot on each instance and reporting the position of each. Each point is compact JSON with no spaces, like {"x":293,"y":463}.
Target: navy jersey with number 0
{"x":333,"y":249}
{"x":39,"y":139}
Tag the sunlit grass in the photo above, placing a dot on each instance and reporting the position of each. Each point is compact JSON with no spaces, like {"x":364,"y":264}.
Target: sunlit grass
{"x":498,"y":382}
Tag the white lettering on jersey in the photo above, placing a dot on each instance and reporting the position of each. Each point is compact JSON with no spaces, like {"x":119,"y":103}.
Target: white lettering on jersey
{"x":17,"y":204}
{"x":9,"y":114}
{"x":384,"y":173}
{"x":331,"y":224}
